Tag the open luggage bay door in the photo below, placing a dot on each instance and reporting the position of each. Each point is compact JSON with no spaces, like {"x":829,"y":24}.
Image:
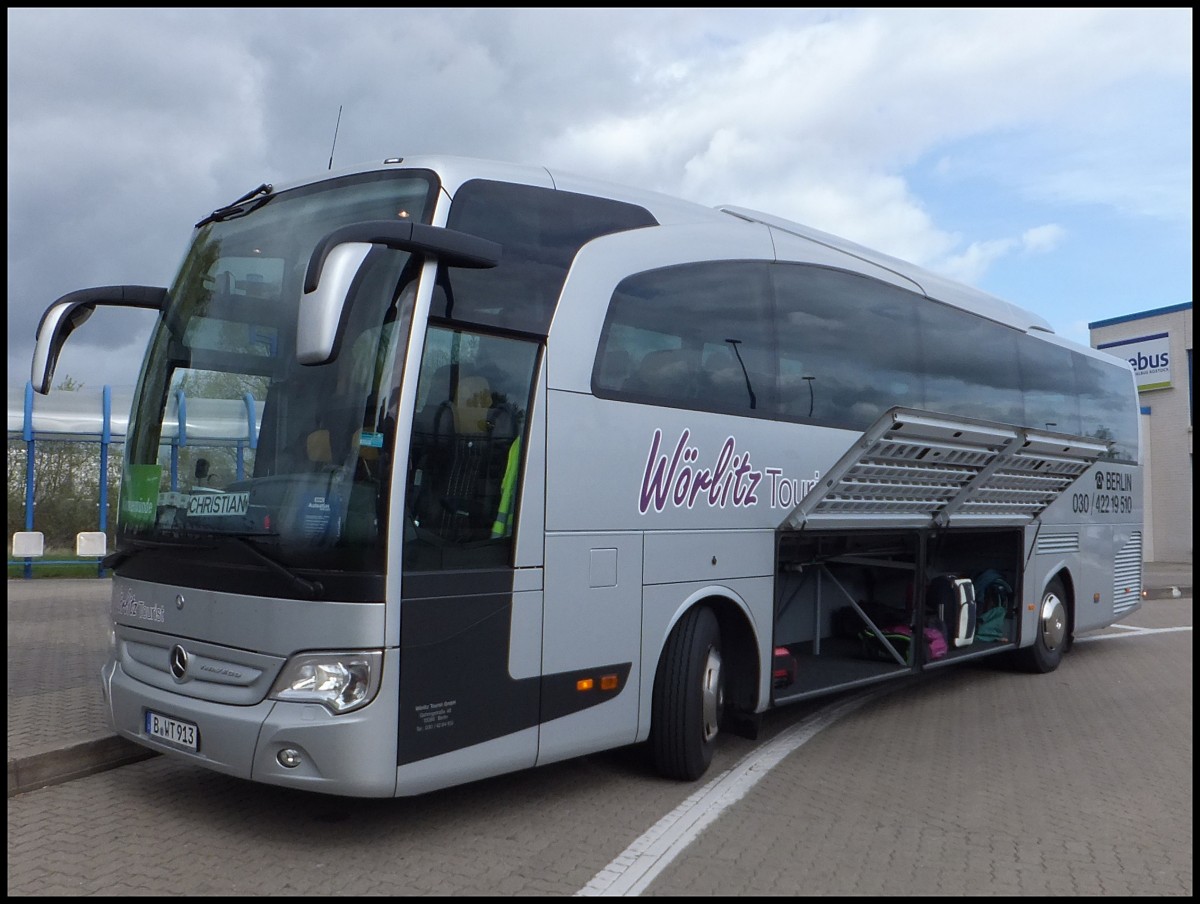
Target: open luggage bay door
{"x":917,"y":469}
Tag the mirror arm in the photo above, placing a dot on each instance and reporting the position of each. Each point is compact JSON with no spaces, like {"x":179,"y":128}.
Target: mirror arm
{"x":456,"y":249}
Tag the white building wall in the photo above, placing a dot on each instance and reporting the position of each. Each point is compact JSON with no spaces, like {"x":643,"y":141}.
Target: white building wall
{"x":1167,"y":429}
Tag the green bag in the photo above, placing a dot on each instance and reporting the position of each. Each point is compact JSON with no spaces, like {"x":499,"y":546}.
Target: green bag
{"x":991,"y":625}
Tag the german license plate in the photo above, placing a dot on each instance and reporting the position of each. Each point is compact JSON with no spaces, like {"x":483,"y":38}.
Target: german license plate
{"x":173,"y":731}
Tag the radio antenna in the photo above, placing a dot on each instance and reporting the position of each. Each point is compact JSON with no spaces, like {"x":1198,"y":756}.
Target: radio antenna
{"x":335,"y":131}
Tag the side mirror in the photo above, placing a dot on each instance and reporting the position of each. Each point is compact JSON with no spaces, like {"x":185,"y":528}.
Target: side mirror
{"x":69,"y":312}
{"x":338,"y":258}
{"x":322,"y":307}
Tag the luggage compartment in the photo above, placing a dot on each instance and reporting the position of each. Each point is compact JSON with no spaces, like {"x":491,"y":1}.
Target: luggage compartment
{"x":853,"y":608}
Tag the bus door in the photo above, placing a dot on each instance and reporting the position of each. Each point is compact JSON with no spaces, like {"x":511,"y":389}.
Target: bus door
{"x":470,"y":619}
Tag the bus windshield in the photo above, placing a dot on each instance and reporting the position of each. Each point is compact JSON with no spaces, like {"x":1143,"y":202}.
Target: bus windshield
{"x":232,"y":443}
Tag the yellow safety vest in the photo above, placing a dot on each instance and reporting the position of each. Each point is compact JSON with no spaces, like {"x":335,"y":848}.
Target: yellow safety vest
{"x":502,"y":526}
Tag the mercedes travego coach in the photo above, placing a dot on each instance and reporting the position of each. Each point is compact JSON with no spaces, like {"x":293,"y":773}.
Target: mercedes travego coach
{"x":528,"y":466}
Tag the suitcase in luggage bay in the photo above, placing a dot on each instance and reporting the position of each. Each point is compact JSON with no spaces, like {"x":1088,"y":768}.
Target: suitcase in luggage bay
{"x":951,"y":599}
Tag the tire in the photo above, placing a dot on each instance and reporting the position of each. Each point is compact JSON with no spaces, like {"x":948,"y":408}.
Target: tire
{"x":689,"y":697}
{"x":1053,"y":631}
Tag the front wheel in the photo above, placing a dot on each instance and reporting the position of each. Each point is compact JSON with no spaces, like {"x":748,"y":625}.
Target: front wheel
{"x":689,"y":697}
{"x":1053,"y":631}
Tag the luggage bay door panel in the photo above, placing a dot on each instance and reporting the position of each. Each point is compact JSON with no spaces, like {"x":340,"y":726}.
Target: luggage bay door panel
{"x":916,"y":469}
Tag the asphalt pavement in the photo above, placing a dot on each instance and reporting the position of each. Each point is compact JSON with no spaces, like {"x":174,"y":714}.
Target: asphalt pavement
{"x":58,"y":639}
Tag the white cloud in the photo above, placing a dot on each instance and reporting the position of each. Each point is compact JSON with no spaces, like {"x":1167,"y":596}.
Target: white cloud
{"x":970,"y":264}
{"x":1042,"y":239}
{"x":126,"y":126}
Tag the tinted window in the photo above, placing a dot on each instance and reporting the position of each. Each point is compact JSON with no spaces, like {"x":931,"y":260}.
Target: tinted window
{"x":848,"y":346}
{"x":970,"y":364}
{"x":540,"y":230}
{"x":692,"y":336}
{"x":465,"y":452}
{"x":804,"y":343}
{"x":1105,"y":409}
{"x":1047,"y":376}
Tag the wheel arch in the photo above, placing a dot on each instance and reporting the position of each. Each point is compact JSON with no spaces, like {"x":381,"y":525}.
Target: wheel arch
{"x":1038,"y":653}
{"x":705,"y":680}
{"x":739,"y":643}
{"x":1060,"y":571}
{"x":739,"y":646}
{"x":1068,"y":587}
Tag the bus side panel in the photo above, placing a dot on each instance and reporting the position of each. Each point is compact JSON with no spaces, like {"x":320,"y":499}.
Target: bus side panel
{"x":1109,"y":585}
{"x":1094,"y":580}
{"x":469,"y":701}
{"x":623,"y":466}
{"x":1093,"y":533}
{"x":592,"y":629}
{"x":496,"y":757}
{"x":1101,"y":591}
{"x":457,"y":687}
{"x":673,"y":556}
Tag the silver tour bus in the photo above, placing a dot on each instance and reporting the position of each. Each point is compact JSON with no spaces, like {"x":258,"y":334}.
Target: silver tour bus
{"x":441,"y":468}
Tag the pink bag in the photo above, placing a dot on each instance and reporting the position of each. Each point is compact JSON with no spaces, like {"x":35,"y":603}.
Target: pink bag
{"x":935,"y":640}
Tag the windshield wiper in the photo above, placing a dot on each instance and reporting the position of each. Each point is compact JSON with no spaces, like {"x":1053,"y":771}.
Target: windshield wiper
{"x":312,"y":588}
{"x":117,"y":556}
{"x":234,"y":209}
{"x":138,"y":544}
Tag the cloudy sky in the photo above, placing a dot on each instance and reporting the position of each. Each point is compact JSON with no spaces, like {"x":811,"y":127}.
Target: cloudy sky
{"x":1041,"y":155}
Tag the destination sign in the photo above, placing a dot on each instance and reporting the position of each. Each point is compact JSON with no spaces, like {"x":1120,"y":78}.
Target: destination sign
{"x":203,"y":505}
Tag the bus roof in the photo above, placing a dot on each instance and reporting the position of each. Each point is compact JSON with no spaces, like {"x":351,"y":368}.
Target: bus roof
{"x":454,"y":171}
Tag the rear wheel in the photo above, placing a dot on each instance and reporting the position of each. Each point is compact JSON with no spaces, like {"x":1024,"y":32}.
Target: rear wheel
{"x":689,"y":697}
{"x":1053,"y":631}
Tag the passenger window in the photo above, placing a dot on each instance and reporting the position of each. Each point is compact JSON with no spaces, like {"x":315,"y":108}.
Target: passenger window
{"x":691,"y":336}
{"x":849,"y":346}
{"x":970,"y":365}
{"x":1103,"y":412}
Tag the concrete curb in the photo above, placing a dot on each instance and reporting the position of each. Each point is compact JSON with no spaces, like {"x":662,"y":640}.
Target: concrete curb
{"x":64,"y":764}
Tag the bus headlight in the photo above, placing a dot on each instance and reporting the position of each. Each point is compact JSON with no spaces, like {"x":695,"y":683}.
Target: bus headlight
{"x":340,"y":681}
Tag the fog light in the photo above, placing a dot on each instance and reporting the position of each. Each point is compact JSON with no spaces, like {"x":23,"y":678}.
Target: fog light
{"x":289,"y":758}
